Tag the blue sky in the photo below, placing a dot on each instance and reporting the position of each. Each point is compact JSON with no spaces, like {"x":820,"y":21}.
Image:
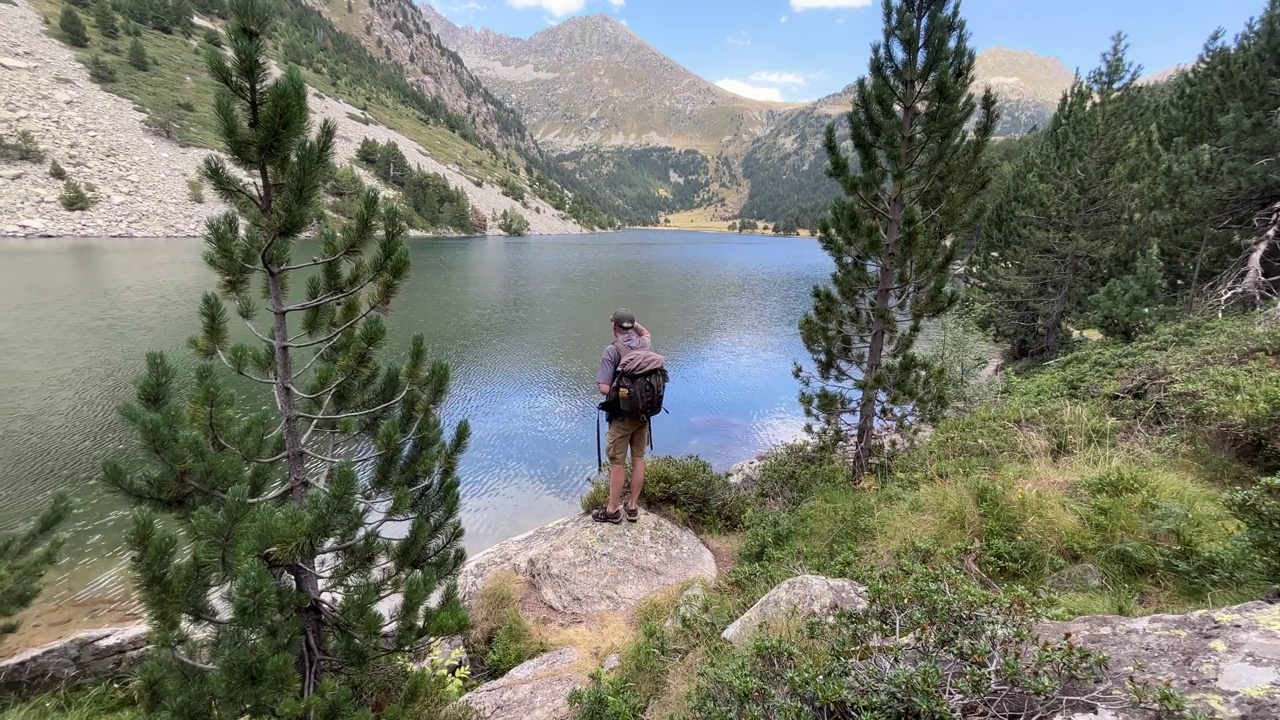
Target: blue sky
{"x":799,"y":50}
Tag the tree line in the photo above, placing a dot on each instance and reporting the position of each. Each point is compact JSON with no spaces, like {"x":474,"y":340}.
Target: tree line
{"x":436,"y":204}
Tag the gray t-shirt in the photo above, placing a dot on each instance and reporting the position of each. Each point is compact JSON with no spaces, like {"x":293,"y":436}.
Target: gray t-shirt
{"x":611,"y":357}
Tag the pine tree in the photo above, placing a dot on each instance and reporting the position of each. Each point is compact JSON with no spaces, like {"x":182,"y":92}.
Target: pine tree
{"x":73,"y":27}
{"x":1131,"y":305}
{"x":105,"y":16}
{"x":1070,"y":211}
{"x":138,"y":56}
{"x":24,"y":559}
{"x":274,"y":585}
{"x":180,"y":16}
{"x":74,"y":197}
{"x":918,"y":171}
{"x":56,"y":172}
{"x":101,"y":70}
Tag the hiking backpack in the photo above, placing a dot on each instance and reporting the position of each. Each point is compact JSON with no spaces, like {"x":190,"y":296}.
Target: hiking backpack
{"x":640,"y":381}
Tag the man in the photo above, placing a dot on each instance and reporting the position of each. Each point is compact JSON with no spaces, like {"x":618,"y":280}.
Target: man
{"x":623,"y":432}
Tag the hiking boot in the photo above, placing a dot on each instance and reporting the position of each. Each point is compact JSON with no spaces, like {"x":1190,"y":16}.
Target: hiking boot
{"x":603,"y":515}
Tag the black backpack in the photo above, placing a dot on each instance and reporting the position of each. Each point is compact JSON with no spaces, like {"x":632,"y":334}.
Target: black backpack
{"x":638,"y":396}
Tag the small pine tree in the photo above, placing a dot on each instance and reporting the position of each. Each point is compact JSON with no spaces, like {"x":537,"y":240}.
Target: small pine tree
{"x":917,"y":173}
{"x":138,"y":56}
{"x":74,"y":198}
{"x":101,"y":70}
{"x":73,"y":27}
{"x":180,"y":12}
{"x":105,"y":16}
{"x":309,"y":540}
{"x":1131,"y":305}
{"x":24,"y":559}
{"x":56,"y":172}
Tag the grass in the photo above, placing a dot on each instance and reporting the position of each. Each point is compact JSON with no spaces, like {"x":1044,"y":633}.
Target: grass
{"x":501,"y":636}
{"x":106,"y":702}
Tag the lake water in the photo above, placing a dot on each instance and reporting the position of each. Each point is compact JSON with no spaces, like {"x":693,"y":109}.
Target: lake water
{"x":522,"y":323}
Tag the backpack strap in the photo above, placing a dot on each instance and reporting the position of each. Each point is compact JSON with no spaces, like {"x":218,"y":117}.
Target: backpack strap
{"x":623,"y":349}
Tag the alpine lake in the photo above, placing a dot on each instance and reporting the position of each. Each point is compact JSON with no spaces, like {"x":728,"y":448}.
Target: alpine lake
{"x":521,"y":322}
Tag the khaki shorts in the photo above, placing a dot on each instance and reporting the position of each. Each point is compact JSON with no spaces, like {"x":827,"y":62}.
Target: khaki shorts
{"x":623,"y":433}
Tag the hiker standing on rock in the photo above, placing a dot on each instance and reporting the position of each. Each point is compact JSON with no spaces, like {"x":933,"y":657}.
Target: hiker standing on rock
{"x":632,"y":378}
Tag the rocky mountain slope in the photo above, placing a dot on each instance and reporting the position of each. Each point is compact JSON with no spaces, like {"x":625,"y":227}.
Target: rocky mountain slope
{"x":785,"y":168}
{"x":395,"y":30}
{"x":590,"y":81}
{"x":99,"y":134}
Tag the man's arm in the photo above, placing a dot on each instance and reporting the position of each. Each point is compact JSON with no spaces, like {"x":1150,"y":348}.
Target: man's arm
{"x":641,"y":330}
{"x":604,"y":389}
{"x":608,"y":366}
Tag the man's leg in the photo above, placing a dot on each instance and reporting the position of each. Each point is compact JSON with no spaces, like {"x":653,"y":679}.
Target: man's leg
{"x":639,"y":440}
{"x":617,"y":440}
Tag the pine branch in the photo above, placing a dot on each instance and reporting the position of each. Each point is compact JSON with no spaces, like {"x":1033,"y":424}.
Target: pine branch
{"x":360,"y":413}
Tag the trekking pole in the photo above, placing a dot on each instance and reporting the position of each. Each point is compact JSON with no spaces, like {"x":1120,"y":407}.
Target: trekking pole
{"x":599,"y":460}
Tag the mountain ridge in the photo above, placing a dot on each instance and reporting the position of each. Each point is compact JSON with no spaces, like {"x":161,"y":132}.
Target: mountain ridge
{"x":571,"y":97}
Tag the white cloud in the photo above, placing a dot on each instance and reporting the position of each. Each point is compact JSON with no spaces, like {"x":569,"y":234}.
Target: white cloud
{"x":739,"y":39}
{"x":802,"y":5}
{"x":754,"y":92}
{"x":784,"y":19}
{"x":558,"y":8}
{"x":464,"y":9}
{"x":779,"y":78}
{"x":623,"y":21}
{"x":617,"y":3}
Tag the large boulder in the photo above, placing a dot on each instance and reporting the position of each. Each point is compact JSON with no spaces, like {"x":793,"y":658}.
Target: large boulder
{"x":802,"y":597}
{"x":580,"y":568}
{"x":1225,"y":662}
{"x":89,"y":656}
{"x":537,"y":690}
{"x":745,"y":475}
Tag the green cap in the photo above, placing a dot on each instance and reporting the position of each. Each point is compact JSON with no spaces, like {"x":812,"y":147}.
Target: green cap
{"x":623,"y":318}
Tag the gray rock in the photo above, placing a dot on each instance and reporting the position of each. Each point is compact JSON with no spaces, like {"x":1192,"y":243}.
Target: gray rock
{"x":11,"y":64}
{"x":62,"y":97}
{"x":537,"y":690}
{"x":12,"y":173}
{"x":581,"y":568}
{"x":800,"y":597}
{"x":90,"y":656}
{"x":31,"y":224}
{"x":745,"y":475}
{"x":1077,"y":578}
{"x":12,"y":229}
{"x":1225,"y":662}
{"x":690,"y":606}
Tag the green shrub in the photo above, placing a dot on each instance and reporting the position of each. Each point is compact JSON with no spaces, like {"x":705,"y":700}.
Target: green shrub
{"x":513,"y":223}
{"x":101,"y":702}
{"x":933,"y":645}
{"x":73,"y":27}
{"x":213,"y":37}
{"x":74,"y":198}
{"x":138,"y":56}
{"x":513,"y":189}
{"x":22,"y":147}
{"x":687,"y":490}
{"x":1258,"y":507}
{"x":105,"y":17}
{"x":101,"y":70}
{"x":56,"y":172}
{"x":195,"y":190}
{"x":500,"y":636}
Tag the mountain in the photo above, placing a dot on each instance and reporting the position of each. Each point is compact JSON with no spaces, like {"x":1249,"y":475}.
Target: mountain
{"x":433,"y":137}
{"x":785,"y":168}
{"x":591,"y":82}
{"x":398,"y":33}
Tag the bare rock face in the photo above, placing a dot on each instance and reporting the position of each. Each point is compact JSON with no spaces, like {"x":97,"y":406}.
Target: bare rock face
{"x":93,"y":655}
{"x":580,"y":568}
{"x":802,"y":597}
{"x":1225,"y":662}
{"x":537,"y":690}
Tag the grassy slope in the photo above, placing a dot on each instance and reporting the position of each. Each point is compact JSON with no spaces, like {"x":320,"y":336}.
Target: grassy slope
{"x":178,"y":76}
